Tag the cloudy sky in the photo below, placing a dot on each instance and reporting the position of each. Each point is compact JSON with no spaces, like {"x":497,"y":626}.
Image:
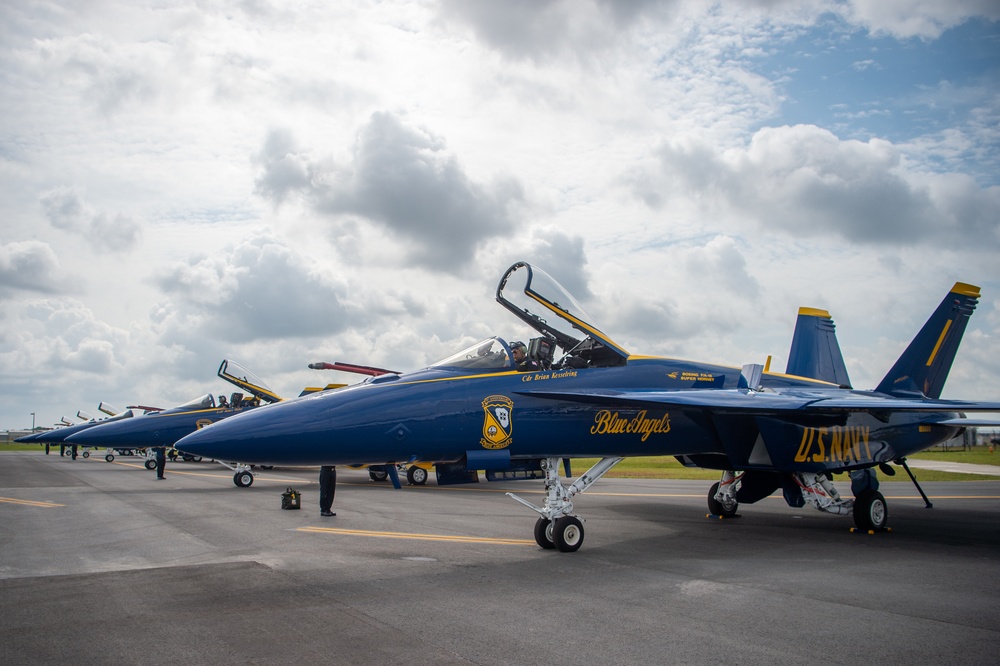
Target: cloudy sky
{"x":281,"y":183}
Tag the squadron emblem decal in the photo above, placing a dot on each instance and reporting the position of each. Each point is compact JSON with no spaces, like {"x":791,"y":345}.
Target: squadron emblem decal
{"x":497,"y":422}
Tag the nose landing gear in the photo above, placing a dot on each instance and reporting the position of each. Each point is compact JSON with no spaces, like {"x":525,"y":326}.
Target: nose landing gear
{"x":557,"y":527}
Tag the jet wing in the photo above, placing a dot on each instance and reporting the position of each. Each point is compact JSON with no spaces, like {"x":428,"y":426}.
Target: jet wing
{"x":767,"y":402}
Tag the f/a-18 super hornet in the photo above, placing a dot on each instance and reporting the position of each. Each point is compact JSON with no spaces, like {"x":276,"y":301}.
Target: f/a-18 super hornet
{"x":515,"y":410}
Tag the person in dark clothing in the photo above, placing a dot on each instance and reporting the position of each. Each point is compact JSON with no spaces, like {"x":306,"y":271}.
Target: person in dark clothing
{"x":521,"y":360}
{"x":161,"y":461}
{"x":327,"y":489}
{"x":74,"y":451}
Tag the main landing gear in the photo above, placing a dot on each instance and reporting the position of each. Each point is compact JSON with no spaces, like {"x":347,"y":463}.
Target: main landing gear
{"x":869,"y":508}
{"x":243,"y":477}
{"x":557,"y":527}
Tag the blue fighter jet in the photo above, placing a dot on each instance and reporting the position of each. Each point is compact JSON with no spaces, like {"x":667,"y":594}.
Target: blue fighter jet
{"x":484,"y":408}
{"x":165,"y":427}
{"x":60,"y":435}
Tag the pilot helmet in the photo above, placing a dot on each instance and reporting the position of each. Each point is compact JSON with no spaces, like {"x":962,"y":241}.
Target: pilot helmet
{"x":519,"y":345}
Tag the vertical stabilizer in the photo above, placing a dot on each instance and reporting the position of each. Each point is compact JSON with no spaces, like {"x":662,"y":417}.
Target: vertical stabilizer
{"x":815,"y":352}
{"x":923,"y":367}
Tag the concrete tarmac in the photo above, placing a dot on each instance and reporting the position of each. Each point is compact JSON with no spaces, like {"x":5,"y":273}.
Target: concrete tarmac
{"x":102,"y":564}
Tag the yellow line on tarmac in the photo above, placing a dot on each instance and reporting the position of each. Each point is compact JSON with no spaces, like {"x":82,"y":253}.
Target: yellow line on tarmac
{"x":47,"y":505}
{"x":421,"y":537}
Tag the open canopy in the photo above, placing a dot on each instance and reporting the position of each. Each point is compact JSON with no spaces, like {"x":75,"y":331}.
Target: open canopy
{"x":234,"y":373}
{"x":540,"y":301}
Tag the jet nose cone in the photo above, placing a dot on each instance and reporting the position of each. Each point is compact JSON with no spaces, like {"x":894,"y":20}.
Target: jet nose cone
{"x":268,"y":434}
{"x":99,"y":434}
{"x":221,"y":440}
{"x":85,"y":437}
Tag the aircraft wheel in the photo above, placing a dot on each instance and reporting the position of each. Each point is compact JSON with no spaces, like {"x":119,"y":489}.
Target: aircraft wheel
{"x":377,"y":474}
{"x":243,"y":479}
{"x":196,"y":458}
{"x":543,"y":534}
{"x":416,"y":475}
{"x":86,"y":454}
{"x":871,"y":513}
{"x":150,"y":464}
{"x":715,"y":507}
{"x":109,"y":458}
{"x":567,"y":534}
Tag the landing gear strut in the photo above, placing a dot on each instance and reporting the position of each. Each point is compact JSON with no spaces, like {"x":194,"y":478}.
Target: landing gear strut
{"x":927,"y":502}
{"x":868,"y":507}
{"x":557,"y":526}
{"x":722,"y":496}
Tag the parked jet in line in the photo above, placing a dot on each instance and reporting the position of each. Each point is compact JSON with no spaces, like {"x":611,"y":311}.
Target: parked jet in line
{"x":484,"y":408}
{"x":165,"y":427}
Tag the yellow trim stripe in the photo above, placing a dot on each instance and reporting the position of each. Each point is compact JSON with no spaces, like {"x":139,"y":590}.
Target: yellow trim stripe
{"x":582,"y":324}
{"x":489,"y":375}
{"x":420,"y":537}
{"x":46,"y":505}
{"x":814,"y":312}
{"x":964,"y":289}
{"x":947,"y":325}
{"x":639,"y":357}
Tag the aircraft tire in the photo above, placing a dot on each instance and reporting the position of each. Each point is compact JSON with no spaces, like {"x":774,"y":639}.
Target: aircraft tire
{"x":417,"y":476}
{"x":109,"y":458}
{"x":567,"y":534}
{"x":717,"y":508}
{"x":86,"y":454}
{"x":243,"y":479}
{"x":871,"y":513}
{"x":377,"y":475}
{"x":543,"y":534}
{"x":150,"y":464}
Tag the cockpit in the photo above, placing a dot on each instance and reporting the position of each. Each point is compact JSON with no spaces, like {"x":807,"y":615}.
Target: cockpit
{"x":206,"y":401}
{"x":489,"y":354}
{"x":540,"y":301}
{"x":563,"y":324}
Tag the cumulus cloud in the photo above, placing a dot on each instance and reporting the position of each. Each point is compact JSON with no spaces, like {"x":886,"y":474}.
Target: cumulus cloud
{"x":259,"y":289}
{"x":66,"y":209}
{"x":669,"y":312}
{"x":52,"y":337}
{"x":805,"y":181}
{"x":539,"y":29}
{"x":30,"y":266}
{"x":926,"y":19}
{"x":534,"y":29}
{"x":402,"y":179}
